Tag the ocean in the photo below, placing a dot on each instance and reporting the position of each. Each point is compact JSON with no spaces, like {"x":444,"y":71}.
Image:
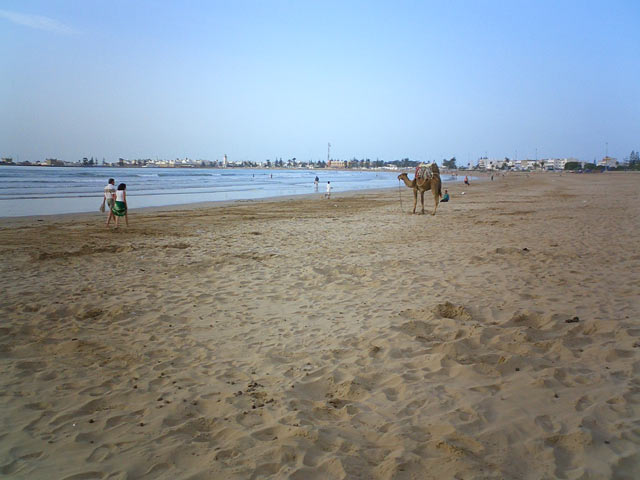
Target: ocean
{"x":55,"y":190}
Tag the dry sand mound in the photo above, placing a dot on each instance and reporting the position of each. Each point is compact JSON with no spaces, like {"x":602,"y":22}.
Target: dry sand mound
{"x":449,"y":310}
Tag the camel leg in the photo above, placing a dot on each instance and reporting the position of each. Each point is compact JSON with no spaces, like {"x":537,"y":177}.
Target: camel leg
{"x":415,"y":199}
{"x":422,"y":201}
{"x":436,"y":199}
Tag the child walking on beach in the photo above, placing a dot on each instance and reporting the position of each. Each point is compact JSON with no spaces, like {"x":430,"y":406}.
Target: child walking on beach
{"x":329,"y":187}
{"x":119,"y":208}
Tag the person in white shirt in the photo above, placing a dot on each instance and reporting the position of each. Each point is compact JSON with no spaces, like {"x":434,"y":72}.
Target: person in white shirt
{"x":329,"y":187}
{"x":109,"y":192}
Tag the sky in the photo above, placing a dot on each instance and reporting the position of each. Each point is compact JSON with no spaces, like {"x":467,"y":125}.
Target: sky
{"x":261,"y":80}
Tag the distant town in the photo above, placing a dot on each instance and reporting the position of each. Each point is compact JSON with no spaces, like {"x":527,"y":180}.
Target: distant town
{"x":632,"y":162}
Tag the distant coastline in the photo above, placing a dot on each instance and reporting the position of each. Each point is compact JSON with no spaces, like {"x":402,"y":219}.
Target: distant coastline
{"x":230,"y":167}
{"x":496,"y":166}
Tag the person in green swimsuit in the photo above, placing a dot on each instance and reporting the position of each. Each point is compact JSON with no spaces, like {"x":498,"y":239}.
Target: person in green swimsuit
{"x":119,"y":208}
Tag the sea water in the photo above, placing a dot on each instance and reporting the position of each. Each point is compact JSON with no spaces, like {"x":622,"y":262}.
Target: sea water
{"x":54,"y":190}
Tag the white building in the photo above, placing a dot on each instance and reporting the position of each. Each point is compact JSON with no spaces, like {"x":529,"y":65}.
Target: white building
{"x":559,"y":163}
{"x":608,"y":162}
{"x":523,"y":164}
{"x":490,"y":163}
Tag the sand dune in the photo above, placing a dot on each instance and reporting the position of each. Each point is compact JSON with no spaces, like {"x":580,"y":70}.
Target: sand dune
{"x":329,"y":339}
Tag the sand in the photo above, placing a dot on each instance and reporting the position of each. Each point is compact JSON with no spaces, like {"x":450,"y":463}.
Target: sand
{"x":329,"y":339}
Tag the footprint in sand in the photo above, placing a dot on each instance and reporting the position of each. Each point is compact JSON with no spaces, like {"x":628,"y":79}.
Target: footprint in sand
{"x":544,"y":422}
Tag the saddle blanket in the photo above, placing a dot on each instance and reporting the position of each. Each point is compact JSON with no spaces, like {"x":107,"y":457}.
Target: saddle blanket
{"x":423,"y":172}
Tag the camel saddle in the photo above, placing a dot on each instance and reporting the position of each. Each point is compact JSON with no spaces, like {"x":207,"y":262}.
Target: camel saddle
{"x":424,"y":173}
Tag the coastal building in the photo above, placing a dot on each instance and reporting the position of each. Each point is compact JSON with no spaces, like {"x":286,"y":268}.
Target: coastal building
{"x":608,"y":161}
{"x":485,"y":163}
{"x":337,"y":164}
{"x":558,"y":163}
{"x":523,"y":164}
{"x":498,"y":164}
{"x":225,"y":162}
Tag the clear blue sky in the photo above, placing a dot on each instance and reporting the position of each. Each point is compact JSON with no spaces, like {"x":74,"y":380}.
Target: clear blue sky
{"x":266,"y":79}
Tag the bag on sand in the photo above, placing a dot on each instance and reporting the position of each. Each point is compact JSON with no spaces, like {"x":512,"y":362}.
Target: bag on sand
{"x":102,"y":207}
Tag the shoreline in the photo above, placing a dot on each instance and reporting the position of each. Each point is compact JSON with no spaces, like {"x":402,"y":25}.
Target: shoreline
{"x":187,"y":207}
{"x":204,"y":204}
{"x":7,"y":222}
{"x":187,"y":190}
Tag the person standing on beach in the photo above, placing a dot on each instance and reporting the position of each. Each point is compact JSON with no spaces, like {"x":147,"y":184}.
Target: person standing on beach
{"x":329,"y":187}
{"x":315,"y":182}
{"x":107,"y":198}
{"x":119,"y":208}
{"x":466,"y":180}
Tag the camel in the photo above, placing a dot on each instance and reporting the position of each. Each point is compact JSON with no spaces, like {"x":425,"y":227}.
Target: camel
{"x":422,"y":185}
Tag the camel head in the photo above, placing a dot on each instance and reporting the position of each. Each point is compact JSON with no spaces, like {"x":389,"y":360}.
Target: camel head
{"x":405,"y":178}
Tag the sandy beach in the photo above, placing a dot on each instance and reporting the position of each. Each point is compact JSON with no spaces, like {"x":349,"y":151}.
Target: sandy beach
{"x":329,"y":339}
